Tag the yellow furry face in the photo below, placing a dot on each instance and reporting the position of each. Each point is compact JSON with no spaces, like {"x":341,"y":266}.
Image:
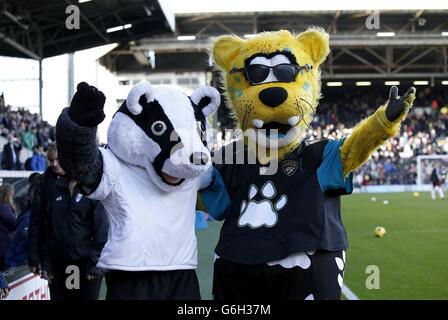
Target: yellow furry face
{"x":273,"y":100}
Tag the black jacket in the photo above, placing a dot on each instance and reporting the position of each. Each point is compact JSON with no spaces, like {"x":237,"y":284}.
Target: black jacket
{"x":8,"y":159}
{"x":63,"y":227}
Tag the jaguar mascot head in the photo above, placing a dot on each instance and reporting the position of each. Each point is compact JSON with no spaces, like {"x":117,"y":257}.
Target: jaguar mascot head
{"x":273,"y":83}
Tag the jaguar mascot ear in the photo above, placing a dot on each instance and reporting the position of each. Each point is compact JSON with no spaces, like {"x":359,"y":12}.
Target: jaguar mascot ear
{"x":316,"y":43}
{"x":225,"y":49}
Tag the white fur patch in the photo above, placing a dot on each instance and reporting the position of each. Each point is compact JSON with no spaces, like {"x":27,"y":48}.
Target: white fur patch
{"x":142,"y":88}
{"x":131,"y":144}
{"x":340,"y":263}
{"x":295,"y":260}
{"x":212,"y":93}
{"x":340,"y":280}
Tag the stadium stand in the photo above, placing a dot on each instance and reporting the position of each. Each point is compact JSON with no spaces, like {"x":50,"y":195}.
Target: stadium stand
{"x":423,"y":133}
{"x":28,"y":128}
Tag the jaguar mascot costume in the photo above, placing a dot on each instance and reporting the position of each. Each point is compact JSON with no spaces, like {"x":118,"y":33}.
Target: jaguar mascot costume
{"x":282,"y":236}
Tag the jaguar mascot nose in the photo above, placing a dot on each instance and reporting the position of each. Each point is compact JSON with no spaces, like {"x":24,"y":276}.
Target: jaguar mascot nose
{"x":273,"y":97}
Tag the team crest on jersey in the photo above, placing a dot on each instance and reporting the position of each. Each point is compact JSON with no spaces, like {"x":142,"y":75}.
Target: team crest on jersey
{"x":289,"y":167}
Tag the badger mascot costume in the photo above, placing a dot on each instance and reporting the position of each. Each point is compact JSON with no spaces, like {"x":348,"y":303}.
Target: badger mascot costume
{"x":147,"y":179}
{"x":282,"y":236}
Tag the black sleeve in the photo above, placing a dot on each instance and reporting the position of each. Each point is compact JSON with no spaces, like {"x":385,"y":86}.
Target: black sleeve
{"x":78,"y":152}
{"x":37,"y":223}
{"x":4,"y":157}
{"x":99,"y":235}
{"x":230,"y":172}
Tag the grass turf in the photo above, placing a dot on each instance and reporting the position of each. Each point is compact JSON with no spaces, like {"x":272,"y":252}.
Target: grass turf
{"x":412,"y":258}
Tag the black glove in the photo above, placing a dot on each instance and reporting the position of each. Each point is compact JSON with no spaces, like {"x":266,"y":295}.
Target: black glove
{"x":396,"y":105}
{"x":87,"y":106}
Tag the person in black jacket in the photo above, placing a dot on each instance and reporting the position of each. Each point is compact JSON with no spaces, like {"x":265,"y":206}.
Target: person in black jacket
{"x":11,"y":153}
{"x":67,"y":233}
{"x":437,"y":183}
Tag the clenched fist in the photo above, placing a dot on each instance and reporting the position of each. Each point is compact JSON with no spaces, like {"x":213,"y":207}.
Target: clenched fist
{"x":87,"y":106}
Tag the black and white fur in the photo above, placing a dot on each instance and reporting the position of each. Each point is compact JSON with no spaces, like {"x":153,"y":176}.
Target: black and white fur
{"x":156,"y":128}
{"x":160,"y":129}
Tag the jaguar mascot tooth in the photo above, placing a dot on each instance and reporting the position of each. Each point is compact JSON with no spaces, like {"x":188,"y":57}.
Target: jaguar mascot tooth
{"x":282,"y":236}
{"x":147,"y":179}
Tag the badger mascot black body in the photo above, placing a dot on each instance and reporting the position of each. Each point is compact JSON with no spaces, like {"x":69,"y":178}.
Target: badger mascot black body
{"x":147,"y":179}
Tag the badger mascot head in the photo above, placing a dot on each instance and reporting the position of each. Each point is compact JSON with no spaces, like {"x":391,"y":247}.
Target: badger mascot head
{"x":165,"y":132}
{"x":273,"y":83}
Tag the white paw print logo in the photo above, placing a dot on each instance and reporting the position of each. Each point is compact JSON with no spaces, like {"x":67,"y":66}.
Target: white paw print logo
{"x":264,"y":213}
{"x":341,"y":265}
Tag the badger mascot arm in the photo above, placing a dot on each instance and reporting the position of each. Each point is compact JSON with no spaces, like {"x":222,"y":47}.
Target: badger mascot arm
{"x":76,"y":137}
{"x":147,"y":179}
{"x":283,"y":236}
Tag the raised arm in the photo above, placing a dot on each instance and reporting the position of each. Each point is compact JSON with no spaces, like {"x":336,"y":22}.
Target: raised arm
{"x":372,"y":132}
{"x":76,"y":137}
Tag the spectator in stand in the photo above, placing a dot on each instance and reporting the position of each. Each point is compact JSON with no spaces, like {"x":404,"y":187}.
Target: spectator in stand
{"x":42,"y":141}
{"x":17,"y":254}
{"x":11,"y":154}
{"x":38,"y":160}
{"x":29,"y":138}
{"x":7,"y":220}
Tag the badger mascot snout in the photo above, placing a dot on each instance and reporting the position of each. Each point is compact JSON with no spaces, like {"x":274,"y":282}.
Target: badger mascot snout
{"x":147,"y":178}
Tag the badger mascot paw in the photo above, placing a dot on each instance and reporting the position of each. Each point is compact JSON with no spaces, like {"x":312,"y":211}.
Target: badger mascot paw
{"x":147,"y":179}
{"x":283,"y":237}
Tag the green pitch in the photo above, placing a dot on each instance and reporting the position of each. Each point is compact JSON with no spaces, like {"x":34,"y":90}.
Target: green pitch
{"x":412,"y":258}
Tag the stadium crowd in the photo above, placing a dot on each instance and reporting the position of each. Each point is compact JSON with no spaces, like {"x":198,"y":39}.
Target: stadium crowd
{"x":23,"y":129}
{"x":424,"y":132}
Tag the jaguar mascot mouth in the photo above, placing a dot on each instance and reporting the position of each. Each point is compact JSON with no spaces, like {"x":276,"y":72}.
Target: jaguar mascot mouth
{"x":273,"y":83}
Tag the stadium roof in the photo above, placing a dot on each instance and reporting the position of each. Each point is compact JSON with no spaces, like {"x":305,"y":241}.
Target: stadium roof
{"x":227,"y":6}
{"x":404,"y":44}
{"x":37,"y":29}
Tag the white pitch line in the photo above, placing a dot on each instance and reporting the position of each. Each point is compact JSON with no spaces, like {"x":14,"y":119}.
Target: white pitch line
{"x":421,"y":231}
{"x":349,"y":293}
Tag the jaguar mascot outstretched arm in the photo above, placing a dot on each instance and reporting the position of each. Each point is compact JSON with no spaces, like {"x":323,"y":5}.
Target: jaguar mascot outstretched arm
{"x":372,"y":132}
{"x":283,"y":236}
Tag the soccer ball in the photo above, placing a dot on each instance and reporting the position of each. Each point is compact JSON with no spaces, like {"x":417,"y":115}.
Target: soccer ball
{"x":386,"y":202}
{"x":416,"y":194}
{"x":373,"y":199}
{"x":379,"y":232}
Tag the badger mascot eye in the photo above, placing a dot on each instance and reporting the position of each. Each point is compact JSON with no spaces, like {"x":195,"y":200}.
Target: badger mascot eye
{"x":158,"y":128}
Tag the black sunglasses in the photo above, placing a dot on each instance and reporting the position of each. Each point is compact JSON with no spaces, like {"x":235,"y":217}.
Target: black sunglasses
{"x":285,"y":72}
